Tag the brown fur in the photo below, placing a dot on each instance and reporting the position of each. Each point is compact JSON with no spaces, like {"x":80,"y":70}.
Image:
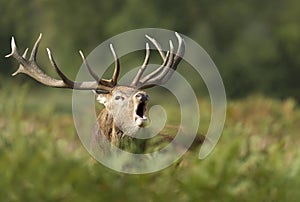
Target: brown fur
{"x":116,"y":122}
{"x":107,"y":127}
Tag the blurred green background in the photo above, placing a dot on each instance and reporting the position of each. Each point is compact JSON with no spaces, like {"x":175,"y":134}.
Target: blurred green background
{"x":254,"y":44}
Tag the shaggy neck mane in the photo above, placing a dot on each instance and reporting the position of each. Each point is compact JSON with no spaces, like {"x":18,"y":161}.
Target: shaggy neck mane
{"x":108,"y":128}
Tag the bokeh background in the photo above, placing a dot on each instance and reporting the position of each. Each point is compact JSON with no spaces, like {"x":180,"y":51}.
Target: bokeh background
{"x":254,"y":44}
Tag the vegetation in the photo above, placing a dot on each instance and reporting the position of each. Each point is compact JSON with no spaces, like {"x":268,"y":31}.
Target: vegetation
{"x":42,"y":159}
{"x":254,"y":44}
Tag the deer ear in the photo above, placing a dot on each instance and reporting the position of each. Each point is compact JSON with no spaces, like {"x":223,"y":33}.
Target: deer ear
{"x":102,"y":98}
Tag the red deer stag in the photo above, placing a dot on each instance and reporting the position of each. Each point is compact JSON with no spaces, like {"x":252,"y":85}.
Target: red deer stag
{"x":125,"y":106}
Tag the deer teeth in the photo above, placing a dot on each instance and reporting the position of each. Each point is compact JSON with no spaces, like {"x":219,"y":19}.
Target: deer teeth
{"x":140,"y":114}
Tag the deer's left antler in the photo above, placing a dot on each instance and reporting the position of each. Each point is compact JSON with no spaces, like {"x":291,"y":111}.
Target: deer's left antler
{"x":163,"y":73}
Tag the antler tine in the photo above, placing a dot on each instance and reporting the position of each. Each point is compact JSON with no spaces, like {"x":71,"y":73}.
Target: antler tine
{"x":25,"y":53}
{"x":14,"y":51}
{"x":180,"y":51}
{"x":137,"y":78}
{"x":35,"y":49}
{"x":15,"y":54}
{"x":67,"y":81}
{"x":157,"y":45}
{"x":78,"y":85}
{"x":143,"y":83}
{"x":116,"y":73}
{"x":159,"y":79}
{"x":86,"y":64}
{"x":114,"y":80}
{"x":165,"y":71}
{"x":20,"y":66}
{"x":177,"y":59}
{"x":164,"y":57}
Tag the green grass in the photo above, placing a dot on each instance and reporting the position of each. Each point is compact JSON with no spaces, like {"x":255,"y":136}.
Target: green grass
{"x":42,"y":159}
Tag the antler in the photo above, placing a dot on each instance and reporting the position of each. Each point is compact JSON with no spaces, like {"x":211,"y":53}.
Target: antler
{"x":31,"y":68}
{"x":158,"y":77}
{"x":162,"y":74}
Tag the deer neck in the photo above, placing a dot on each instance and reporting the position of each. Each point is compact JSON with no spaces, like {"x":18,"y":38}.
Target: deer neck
{"x":116,"y":136}
{"x":108,"y":127}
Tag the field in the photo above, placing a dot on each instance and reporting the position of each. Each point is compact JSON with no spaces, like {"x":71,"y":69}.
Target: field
{"x":42,"y":159}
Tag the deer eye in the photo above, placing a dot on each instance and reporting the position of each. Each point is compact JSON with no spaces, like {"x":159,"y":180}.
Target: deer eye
{"x":118,"y":97}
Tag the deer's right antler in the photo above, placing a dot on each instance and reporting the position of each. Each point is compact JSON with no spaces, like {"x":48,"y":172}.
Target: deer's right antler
{"x":31,"y":68}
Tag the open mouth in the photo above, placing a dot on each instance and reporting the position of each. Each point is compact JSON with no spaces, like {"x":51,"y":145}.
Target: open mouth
{"x":140,"y":113}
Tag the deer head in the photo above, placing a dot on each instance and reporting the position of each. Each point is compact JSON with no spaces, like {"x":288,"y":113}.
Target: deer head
{"x":125,"y":106}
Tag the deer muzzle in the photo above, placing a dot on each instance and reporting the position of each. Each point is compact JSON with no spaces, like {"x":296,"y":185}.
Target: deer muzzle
{"x":141,"y":102}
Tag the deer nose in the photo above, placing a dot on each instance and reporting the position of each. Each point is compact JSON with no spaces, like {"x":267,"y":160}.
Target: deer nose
{"x":142,"y":97}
